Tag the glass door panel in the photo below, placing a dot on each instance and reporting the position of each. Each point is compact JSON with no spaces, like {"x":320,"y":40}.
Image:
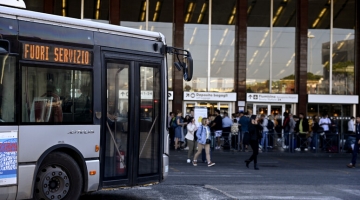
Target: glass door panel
{"x":188,"y":108}
{"x":276,"y":110}
{"x":211,"y":107}
{"x":260,"y":109}
{"x":224,"y":108}
{"x":117,"y":120}
{"x":150,"y":109}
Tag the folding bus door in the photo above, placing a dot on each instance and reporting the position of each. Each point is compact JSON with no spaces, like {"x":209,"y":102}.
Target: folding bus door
{"x":131,"y":133}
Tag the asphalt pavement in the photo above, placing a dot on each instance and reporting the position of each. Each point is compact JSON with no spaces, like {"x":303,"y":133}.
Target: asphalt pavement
{"x":282,"y":175}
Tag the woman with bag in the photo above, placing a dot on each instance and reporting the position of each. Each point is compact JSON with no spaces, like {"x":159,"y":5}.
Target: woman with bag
{"x":178,"y":129}
{"x":204,"y":141}
{"x":255,"y":135}
{"x":190,"y":137}
{"x":183,"y":141}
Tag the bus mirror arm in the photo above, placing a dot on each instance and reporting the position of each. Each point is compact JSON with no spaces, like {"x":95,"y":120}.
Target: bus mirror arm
{"x":186,"y":65}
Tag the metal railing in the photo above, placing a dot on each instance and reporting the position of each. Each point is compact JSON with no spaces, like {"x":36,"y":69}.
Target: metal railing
{"x":291,"y":142}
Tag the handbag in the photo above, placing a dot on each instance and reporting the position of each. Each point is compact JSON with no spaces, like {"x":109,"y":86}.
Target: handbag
{"x":208,"y":141}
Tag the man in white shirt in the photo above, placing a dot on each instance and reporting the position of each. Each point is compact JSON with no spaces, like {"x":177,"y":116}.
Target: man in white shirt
{"x":351,"y":125}
{"x":325,"y":122}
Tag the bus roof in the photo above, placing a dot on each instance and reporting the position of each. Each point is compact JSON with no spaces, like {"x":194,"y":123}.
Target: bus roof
{"x":26,"y":15}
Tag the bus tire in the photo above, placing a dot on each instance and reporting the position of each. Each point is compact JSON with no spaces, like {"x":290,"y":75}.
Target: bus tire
{"x":59,"y":177}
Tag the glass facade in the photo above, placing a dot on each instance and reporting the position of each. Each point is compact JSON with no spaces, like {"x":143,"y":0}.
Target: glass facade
{"x":196,"y":38}
{"x":271,"y":47}
{"x":160,"y":18}
{"x":283,"y":47}
{"x":331,"y":49}
{"x":258,"y":48}
{"x":343,"y":47}
{"x":222,"y":46}
{"x":211,"y":43}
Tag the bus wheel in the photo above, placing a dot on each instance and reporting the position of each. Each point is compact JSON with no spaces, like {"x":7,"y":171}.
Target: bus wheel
{"x":59,"y":177}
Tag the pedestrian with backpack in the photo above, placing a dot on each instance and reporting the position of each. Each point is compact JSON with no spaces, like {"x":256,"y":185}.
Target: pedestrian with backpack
{"x":204,"y":141}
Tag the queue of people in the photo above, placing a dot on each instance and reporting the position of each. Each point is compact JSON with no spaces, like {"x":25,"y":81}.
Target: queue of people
{"x":296,"y":133}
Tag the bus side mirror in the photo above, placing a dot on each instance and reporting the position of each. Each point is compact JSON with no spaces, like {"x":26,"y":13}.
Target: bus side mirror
{"x":188,"y":68}
{"x":184,"y":64}
{"x":4,"y":47}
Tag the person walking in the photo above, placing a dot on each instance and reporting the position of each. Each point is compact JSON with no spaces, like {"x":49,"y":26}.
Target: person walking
{"x":356,"y":145}
{"x":255,"y":135}
{"x":190,"y":137}
{"x":203,"y":141}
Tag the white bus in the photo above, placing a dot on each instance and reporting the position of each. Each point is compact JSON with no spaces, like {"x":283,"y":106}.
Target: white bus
{"x":83,"y":105}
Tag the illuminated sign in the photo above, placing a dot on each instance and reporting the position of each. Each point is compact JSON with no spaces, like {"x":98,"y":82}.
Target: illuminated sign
{"x":57,"y":54}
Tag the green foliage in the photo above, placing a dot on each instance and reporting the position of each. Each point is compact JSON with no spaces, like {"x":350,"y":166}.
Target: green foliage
{"x":342,"y":67}
{"x":310,"y":76}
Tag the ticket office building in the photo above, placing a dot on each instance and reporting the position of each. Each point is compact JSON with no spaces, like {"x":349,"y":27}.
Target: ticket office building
{"x":303,"y":48}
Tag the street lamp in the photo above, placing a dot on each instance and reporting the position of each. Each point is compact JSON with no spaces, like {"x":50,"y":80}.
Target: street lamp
{"x":311,"y":60}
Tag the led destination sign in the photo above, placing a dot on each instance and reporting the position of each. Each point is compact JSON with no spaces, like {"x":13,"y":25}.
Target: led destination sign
{"x":58,"y":54}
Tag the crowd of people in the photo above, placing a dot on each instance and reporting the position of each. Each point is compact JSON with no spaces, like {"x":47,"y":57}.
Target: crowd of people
{"x":260,"y":132}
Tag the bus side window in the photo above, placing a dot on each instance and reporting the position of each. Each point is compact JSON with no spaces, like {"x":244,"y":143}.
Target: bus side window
{"x":56,"y":95}
{"x":7,"y":88}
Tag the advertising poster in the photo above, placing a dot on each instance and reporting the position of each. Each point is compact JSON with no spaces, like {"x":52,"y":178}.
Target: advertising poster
{"x":8,"y":157}
{"x":199,"y":114}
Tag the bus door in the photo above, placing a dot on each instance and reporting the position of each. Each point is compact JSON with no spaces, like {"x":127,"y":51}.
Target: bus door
{"x":131,"y":132}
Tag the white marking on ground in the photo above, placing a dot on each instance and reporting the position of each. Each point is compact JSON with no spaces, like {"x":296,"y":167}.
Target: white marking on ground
{"x":354,"y":192}
{"x":288,"y":197}
{"x":215,"y":176}
{"x":223,"y":192}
